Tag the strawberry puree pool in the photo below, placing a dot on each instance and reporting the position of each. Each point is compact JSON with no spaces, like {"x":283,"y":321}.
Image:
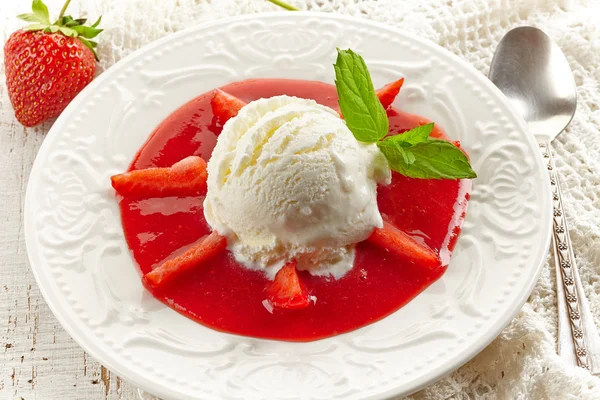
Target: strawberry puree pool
{"x":228,"y":297}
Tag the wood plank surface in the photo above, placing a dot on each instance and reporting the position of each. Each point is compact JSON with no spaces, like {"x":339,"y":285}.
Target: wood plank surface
{"x":38,"y":359}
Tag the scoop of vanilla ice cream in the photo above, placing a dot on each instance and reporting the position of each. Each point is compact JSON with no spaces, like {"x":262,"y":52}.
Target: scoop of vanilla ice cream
{"x":288,"y":180}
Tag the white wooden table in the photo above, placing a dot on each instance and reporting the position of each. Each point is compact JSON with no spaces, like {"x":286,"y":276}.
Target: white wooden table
{"x":38,"y":359}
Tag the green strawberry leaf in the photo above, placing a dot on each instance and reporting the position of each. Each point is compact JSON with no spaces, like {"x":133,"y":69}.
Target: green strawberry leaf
{"x":31,"y":18}
{"x":431,"y":159}
{"x":35,"y":27}
{"x":41,"y":11}
{"x":68,"y":31}
{"x":65,"y":24}
{"x":90,"y":45}
{"x":414,"y":136}
{"x":86,"y":31}
{"x":69,"y":22}
{"x":362,"y":110}
{"x":95,"y":24}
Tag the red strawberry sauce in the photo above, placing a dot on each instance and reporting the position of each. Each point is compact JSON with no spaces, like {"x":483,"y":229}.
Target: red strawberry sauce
{"x":227,"y":297}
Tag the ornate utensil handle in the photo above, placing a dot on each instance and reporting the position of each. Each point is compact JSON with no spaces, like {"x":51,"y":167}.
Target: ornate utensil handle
{"x":569,"y":287}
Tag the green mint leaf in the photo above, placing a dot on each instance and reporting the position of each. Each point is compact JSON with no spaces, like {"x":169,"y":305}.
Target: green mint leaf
{"x":364,"y":115}
{"x":432,"y":159}
{"x":95,"y":24}
{"x":31,"y":18}
{"x":407,"y":156}
{"x":41,"y":11}
{"x":86,"y":31}
{"x":396,"y":154}
{"x":414,"y":136}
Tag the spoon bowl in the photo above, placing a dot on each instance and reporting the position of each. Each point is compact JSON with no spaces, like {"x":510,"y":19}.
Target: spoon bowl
{"x":533,"y":73}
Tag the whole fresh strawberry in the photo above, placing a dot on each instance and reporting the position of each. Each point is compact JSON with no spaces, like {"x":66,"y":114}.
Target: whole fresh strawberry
{"x":47,"y":63}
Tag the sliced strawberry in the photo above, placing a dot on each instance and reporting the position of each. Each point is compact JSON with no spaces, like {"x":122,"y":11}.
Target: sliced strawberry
{"x":195,"y":256}
{"x":287,"y":291}
{"x":388,"y":93}
{"x":184,"y":178}
{"x":225,"y":106}
{"x":394,"y":240}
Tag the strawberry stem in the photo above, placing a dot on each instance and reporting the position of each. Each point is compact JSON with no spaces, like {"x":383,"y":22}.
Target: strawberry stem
{"x":63,"y":10}
{"x":284,"y":5}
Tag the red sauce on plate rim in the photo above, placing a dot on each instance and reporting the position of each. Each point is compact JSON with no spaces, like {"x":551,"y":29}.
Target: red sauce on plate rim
{"x":226,"y":296}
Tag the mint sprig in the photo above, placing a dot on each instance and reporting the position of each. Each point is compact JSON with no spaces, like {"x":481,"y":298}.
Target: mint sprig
{"x":364,"y":114}
{"x":430,"y":159}
{"x":414,"y":136}
{"x":413,"y":153}
{"x":65,"y":24}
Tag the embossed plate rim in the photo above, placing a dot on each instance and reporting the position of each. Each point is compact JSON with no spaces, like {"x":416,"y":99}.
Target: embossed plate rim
{"x":134,"y":374}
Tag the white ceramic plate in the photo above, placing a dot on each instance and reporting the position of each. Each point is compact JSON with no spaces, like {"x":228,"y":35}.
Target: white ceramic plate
{"x":82,"y":265}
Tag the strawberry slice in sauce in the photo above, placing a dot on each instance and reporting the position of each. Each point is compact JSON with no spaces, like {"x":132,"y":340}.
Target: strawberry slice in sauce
{"x":210,"y":246}
{"x":287,"y":291}
{"x":404,"y":246}
{"x":184,"y":178}
{"x":225,"y":106}
{"x":388,"y":93}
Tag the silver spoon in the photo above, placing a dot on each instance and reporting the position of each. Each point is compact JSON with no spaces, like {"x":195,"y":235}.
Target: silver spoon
{"x":533,"y":73}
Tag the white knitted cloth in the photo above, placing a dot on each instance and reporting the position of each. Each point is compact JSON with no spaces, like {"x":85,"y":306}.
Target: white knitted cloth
{"x":521,"y":363}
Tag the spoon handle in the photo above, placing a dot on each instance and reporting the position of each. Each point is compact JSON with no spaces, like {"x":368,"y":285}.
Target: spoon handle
{"x":578,"y":338}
